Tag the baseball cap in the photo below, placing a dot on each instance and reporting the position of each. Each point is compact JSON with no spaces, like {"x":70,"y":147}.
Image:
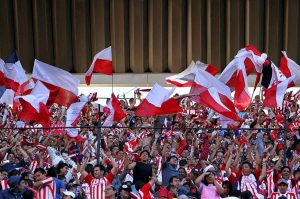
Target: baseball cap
{"x":69,"y":193}
{"x":125,"y":187}
{"x":13,"y":181}
{"x":284,"y":181}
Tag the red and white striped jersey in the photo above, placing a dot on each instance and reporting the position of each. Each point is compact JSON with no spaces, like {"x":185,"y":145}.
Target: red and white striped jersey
{"x":87,"y":190}
{"x":4,"y":184}
{"x":144,"y":192}
{"x":288,"y":195}
{"x":249,"y":183}
{"x":48,"y":190}
{"x":97,"y":186}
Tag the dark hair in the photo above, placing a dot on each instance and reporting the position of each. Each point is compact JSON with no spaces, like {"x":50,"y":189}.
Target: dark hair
{"x":101,"y":167}
{"x":248,"y":163}
{"x":172,"y":178}
{"x":89,"y":168}
{"x":28,"y":194}
{"x":170,"y":186}
{"x":246,"y":195}
{"x":205,"y":181}
{"x":13,"y":172}
{"x":52,"y":172}
{"x":41,"y":170}
{"x":143,"y":151}
{"x":228,"y":183}
{"x":60,"y":166}
{"x":285,"y":167}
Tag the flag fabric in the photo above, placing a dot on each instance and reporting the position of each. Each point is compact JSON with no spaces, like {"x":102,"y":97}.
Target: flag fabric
{"x":115,"y":111}
{"x":73,"y":115}
{"x":271,"y":75}
{"x":2,"y":63}
{"x":213,"y":94}
{"x":186,"y":77}
{"x":274,"y":95}
{"x":158,"y":102}
{"x":8,"y":97}
{"x":102,"y":63}
{"x":236,"y":72}
{"x":14,"y":74}
{"x":34,"y":105}
{"x":63,"y":85}
{"x":289,"y":67}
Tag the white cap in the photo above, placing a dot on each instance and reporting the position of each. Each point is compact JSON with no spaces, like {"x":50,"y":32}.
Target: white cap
{"x":207,"y":168}
{"x":69,"y":193}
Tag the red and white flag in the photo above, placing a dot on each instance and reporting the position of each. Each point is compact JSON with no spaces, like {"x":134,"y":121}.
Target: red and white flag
{"x":102,"y":63}
{"x":14,"y":74}
{"x":274,"y":95}
{"x":8,"y":97}
{"x":34,"y":105}
{"x":213,"y":94}
{"x":116,"y":113}
{"x":63,"y":85}
{"x":1,"y":72}
{"x":158,"y":102}
{"x":73,"y":115}
{"x":289,"y":67}
{"x":236,"y":72}
{"x":186,"y":77}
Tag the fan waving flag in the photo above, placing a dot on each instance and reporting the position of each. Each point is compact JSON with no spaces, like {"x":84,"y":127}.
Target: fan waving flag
{"x":63,"y":85}
{"x":102,"y":63}
{"x":115,"y":111}
{"x":73,"y":115}
{"x":186,"y":77}
{"x":213,"y":94}
{"x":34,"y":105}
{"x":274,"y":95}
{"x":289,"y":67}
{"x":14,"y":74}
{"x":236,"y":72}
{"x":158,"y":102}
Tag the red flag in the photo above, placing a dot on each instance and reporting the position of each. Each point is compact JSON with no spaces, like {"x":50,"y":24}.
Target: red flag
{"x":157,"y":102}
{"x":289,"y":67}
{"x":274,"y":95}
{"x":186,"y":77}
{"x":34,"y":105}
{"x":102,"y":63}
{"x":213,"y":94}
{"x":63,"y":85}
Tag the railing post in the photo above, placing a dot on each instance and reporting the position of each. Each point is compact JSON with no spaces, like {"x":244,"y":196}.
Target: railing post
{"x":99,"y":136}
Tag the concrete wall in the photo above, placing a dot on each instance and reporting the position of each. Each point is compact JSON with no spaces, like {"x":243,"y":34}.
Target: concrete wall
{"x":147,"y":36}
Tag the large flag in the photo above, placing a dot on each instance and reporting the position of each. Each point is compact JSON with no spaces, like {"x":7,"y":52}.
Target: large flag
{"x":186,"y":77}
{"x":34,"y":105}
{"x":14,"y":74}
{"x":2,"y":63}
{"x":158,"y":102}
{"x":63,"y":85}
{"x":274,"y":95}
{"x":236,"y":72}
{"x":213,"y":94}
{"x":115,"y":111}
{"x":289,"y":67}
{"x":102,"y":63}
{"x":271,"y":75}
{"x":73,"y":115}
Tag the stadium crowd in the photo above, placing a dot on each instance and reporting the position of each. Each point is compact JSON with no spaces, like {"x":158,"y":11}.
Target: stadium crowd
{"x":190,"y":157}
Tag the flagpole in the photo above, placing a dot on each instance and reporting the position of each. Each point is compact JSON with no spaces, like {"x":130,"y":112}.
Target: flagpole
{"x":112,"y":83}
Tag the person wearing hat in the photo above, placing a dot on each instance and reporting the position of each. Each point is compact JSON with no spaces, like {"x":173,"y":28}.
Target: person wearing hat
{"x":283,"y":190}
{"x":68,"y":195}
{"x":110,"y":192}
{"x":16,"y":188}
{"x":124,"y":192}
